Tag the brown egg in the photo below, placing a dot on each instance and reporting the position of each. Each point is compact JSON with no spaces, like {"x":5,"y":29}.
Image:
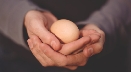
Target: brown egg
{"x":65,"y":30}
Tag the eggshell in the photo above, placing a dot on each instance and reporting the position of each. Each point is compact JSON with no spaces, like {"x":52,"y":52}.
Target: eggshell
{"x":65,"y":30}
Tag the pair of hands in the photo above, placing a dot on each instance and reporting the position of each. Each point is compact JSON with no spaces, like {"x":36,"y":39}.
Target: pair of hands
{"x":50,"y":52}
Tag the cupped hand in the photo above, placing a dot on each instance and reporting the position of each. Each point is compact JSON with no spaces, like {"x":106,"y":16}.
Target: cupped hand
{"x":71,"y":55}
{"x":87,"y":38}
{"x":37,"y":23}
{"x":68,"y":56}
{"x":48,"y":57}
{"x":97,"y":38}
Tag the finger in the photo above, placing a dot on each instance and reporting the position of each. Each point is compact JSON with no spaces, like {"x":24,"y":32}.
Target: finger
{"x":86,"y":32}
{"x":30,"y":43}
{"x":74,"y":46}
{"x":39,"y":29}
{"x":35,"y":53}
{"x":61,"y":60}
{"x":77,"y":59}
{"x":42,"y":58}
{"x":97,"y":47}
{"x":48,"y":61}
{"x":94,"y":38}
{"x":71,"y":67}
{"x":50,"y":39}
{"x":88,"y":52}
{"x":94,"y":35}
{"x":57,"y":58}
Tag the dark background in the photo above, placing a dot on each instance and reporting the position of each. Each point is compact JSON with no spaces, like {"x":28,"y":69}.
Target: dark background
{"x":14,"y":58}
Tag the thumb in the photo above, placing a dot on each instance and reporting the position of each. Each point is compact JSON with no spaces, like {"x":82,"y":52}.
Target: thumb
{"x":48,"y":38}
{"x":38,"y":28}
{"x":36,"y":23}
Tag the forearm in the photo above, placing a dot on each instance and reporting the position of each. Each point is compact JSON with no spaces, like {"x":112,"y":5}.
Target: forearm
{"x":12,"y":18}
{"x":113,"y":18}
{"x":113,"y":14}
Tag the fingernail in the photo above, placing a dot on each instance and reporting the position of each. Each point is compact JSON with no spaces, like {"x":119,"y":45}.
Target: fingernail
{"x":53,"y":44}
{"x":90,"y":50}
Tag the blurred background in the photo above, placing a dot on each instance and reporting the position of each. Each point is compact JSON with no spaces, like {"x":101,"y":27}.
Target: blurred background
{"x":14,"y":58}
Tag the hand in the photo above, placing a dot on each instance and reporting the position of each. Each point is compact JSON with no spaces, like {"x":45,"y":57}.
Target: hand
{"x":37,"y":23}
{"x":87,"y":38}
{"x":82,"y":55}
{"x":48,"y":57}
{"x":93,"y":31}
{"x":69,"y":48}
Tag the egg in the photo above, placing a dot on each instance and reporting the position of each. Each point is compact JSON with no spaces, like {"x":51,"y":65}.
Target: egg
{"x":65,"y":30}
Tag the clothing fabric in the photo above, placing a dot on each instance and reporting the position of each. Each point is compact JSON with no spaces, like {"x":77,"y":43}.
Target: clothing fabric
{"x":12,"y":17}
{"x":112,"y":16}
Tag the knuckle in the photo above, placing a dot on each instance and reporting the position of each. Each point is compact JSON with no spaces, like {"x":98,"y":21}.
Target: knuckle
{"x":33,"y":23}
{"x":48,"y":37}
{"x":99,"y":49}
{"x":92,"y":31}
{"x":102,"y":33}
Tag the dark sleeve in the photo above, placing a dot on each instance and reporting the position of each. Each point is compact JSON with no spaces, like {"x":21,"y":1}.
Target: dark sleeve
{"x":12,"y":14}
{"x":114,"y":18}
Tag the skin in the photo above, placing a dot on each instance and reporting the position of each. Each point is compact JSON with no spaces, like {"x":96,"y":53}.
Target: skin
{"x":50,"y":52}
{"x":37,"y":23}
